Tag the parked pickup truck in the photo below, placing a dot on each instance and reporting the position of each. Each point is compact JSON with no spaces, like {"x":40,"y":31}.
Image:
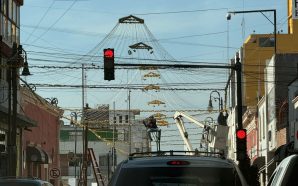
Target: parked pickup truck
{"x":286,"y":173}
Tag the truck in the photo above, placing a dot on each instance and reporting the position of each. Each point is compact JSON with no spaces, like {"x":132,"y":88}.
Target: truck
{"x":216,"y":134}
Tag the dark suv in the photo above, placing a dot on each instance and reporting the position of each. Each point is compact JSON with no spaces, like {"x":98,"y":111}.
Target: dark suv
{"x":23,"y":182}
{"x":173,"y":168}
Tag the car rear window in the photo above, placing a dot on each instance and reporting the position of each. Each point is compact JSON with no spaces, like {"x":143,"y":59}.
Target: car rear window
{"x":174,"y":176}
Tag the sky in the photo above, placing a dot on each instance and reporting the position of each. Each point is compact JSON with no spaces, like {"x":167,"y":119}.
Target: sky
{"x":63,"y":34}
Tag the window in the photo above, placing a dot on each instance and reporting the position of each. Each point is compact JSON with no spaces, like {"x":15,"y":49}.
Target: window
{"x":126,"y":118}
{"x":14,"y":12}
{"x":4,"y":7}
{"x":10,"y":21}
{"x":13,"y":33}
{"x":266,"y":42}
{"x":120,"y":119}
{"x":104,"y":160}
{"x":269,"y":135}
{"x":10,"y":9}
{"x":9,"y":30}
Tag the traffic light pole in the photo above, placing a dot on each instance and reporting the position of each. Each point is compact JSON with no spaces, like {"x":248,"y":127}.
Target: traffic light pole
{"x":244,"y":163}
{"x":238,"y":70}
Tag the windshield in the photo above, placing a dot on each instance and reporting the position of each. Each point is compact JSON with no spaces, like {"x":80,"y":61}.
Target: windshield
{"x":177,"y":176}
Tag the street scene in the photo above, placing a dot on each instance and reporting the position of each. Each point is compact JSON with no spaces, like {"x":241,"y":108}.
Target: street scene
{"x":137,"y":93}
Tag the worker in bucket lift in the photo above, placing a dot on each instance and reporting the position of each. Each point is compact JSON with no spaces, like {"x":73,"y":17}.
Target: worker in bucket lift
{"x":150,"y":124}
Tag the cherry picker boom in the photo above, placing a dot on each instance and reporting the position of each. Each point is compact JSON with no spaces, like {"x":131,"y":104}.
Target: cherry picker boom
{"x":218,"y":133}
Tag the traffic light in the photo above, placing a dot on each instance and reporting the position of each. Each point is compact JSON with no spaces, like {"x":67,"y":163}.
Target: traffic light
{"x":109,"y":65}
{"x":241,"y":144}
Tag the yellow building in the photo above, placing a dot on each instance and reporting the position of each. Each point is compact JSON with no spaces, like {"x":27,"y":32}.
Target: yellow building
{"x":259,"y":47}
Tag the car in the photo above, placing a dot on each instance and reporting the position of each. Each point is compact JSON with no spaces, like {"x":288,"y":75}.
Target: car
{"x":9,"y":181}
{"x":285,"y":173}
{"x":173,"y":168}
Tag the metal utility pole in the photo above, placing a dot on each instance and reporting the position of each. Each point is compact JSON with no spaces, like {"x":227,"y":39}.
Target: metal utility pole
{"x":129,"y":121}
{"x":85,"y":162}
{"x":83,"y":178}
{"x":114,"y":129}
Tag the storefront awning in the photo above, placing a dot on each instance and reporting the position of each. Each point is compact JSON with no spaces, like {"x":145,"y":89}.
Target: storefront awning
{"x":36,"y":154}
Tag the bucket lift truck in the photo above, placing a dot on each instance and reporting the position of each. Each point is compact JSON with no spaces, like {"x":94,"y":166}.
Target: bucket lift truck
{"x":217,"y":133}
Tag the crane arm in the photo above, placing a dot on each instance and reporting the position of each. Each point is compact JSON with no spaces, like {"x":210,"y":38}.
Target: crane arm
{"x":218,"y":132}
{"x":190,"y":118}
{"x":183,"y":133}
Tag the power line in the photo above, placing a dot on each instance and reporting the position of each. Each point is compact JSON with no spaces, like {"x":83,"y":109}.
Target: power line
{"x":119,"y":87}
{"x":42,"y":18}
{"x":182,"y":11}
{"x":57,"y":20}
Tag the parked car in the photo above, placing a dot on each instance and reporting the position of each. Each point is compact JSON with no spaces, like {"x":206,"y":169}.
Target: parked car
{"x":23,"y":182}
{"x":175,"y":168}
{"x":286,"y":173}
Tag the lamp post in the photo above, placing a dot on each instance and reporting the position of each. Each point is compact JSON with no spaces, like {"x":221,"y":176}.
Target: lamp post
{"x":221,"y":119}
{"x":260,"y":11}
{"x":219,"y":99}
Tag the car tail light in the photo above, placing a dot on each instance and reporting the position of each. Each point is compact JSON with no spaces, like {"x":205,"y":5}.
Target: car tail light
{"x":178,"y":162}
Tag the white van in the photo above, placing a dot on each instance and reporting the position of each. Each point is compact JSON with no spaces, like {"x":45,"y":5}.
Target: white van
{"x":286,"y":173}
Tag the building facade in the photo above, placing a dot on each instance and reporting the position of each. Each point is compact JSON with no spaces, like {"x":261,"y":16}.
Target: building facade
{"x":40,"y":144}
{"x":12,"y":122}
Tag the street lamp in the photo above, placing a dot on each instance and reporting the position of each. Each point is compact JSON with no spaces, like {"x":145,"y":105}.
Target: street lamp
{"x":219,"y":99}
{"x":23,"y":53}
{"x":229,"y":15}
{"x":221,"y":119}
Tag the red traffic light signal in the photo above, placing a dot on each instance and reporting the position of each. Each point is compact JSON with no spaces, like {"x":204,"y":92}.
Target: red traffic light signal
{"x":241,"y":144}
{"x":109,"y":66}
{"x":108,"y":53}
{"x":241,"y":133}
